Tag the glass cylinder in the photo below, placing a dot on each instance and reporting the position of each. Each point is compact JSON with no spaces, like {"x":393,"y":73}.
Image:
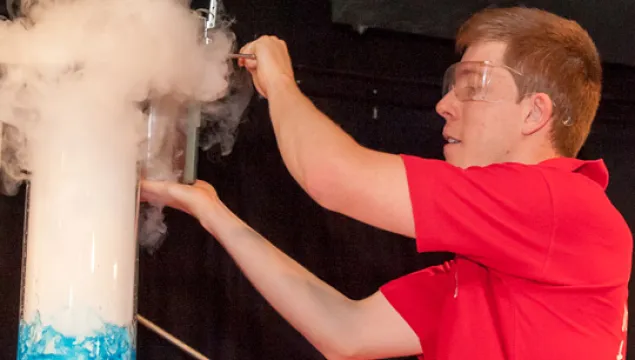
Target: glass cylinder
{"x":164,"y":156}
{"x":79,"y":273}
{"x":169,"y":154}
{"x":172,"y":140}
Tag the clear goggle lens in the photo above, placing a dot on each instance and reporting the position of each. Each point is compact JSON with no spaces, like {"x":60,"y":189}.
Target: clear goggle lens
{"x":479,"y":81}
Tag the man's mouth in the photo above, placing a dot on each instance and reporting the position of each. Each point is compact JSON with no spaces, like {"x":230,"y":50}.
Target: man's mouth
{"x":451,"y":140}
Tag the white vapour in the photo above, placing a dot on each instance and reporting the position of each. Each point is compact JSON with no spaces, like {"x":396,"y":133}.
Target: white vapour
{"x":79,"y":57}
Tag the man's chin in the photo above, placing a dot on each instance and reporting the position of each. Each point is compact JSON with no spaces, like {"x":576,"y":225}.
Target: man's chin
{"x":460,"y":163}
{"x":452,"y":155}
{"x":453,"y":160}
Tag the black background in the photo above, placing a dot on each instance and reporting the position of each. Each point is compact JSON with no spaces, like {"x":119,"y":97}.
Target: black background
{"x":608,"y":22}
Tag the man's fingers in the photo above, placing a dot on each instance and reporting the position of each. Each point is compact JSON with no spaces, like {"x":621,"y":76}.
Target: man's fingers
{"x":178,"y":191}
{"x":190,"y":199}
{"x":248,"y":63}
{"x":203,"y":185}
{"x":149,"y":187}
{"x":251,"y":65}
{"x":249,"y":48}
{"x":153,"y":191}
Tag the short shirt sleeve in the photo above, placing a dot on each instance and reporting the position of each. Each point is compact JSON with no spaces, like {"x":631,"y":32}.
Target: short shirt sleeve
{"x":500,"y":216}
{"x":420,"y":298}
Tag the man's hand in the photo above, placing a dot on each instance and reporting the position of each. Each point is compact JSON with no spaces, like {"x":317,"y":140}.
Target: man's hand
{"x":195,"y":200}
{"x":272,"y":66}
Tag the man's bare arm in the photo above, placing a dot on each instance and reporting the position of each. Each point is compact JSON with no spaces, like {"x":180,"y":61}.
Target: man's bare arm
{"x":337,"y":326}
{"x":331,"y":167}
{"x":340,"y":328}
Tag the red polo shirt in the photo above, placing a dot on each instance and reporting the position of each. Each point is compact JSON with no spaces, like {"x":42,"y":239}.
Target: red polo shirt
{"x":542,"y":264}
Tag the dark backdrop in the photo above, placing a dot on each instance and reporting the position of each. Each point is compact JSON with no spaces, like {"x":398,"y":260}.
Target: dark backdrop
{"x":609,"y":24}
{"x":381,"y":87}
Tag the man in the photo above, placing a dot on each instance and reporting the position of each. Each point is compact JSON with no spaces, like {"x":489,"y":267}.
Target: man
{"x":543,"y":259}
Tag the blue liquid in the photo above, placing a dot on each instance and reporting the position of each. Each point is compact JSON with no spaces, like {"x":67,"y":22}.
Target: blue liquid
{"x":37,"y":342}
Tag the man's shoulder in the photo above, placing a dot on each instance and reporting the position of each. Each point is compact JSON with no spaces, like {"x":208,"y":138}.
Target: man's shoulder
{"x":578,"y":189}
{"x":586,"y":222}
{"x":578,"y":173}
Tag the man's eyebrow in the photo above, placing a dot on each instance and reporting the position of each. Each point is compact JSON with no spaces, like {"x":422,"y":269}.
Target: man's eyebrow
{"x":469,"y":71}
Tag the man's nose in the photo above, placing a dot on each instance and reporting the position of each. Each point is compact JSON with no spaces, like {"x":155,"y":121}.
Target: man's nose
{"x":447,"y":106}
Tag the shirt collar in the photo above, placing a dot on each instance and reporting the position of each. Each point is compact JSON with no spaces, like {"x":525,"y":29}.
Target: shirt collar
{"x":595,"y":170}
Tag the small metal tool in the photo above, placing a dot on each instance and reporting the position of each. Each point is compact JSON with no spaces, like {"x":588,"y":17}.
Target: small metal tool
{"x":242,"y":56}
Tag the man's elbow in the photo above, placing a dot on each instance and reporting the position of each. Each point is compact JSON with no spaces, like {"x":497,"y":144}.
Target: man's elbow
{"x":344,"y":350}
{"x":329,"y":184}
{"x":344,"y":340}
{"x":325,"y":190}
{"x":347,"y":342}
{"x":340,"y":356}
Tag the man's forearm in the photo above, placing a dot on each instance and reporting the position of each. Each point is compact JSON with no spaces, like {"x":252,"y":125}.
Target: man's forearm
{"x":319,"y":312}
{"x":310,"y":142}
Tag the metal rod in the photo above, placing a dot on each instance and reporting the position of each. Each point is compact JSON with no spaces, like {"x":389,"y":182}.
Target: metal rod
{"x":210,"y":21}
{"x":176,"y":342}
{"x":211,"y":15}
{"x":242,"y":56}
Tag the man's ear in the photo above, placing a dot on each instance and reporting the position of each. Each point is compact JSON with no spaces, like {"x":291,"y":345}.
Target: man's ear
{"x":539,"y":110}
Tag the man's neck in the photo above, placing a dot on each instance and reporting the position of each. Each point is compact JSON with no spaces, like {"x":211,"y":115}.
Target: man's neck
{"x":533,"y":156}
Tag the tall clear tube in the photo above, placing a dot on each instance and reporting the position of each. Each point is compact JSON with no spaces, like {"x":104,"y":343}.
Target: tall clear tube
{"x":164,"y":157}
{"x":79,"y":277}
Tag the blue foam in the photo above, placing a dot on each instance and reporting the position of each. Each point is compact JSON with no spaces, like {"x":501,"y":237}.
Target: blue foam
{"x":38,"y":342}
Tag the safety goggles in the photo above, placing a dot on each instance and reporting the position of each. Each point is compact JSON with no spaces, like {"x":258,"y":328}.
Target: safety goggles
{"x":484,"y":81}
{"x":480,"y":81}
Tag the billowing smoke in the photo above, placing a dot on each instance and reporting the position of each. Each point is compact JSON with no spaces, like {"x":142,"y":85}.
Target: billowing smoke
{"x":105,"y":65}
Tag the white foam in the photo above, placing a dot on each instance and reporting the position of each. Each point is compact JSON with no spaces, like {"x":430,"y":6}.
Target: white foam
{"x":72,"y":77}
{"x":81,"y":237}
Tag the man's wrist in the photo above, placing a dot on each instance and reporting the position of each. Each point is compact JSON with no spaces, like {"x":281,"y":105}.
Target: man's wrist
{"x":282,"y":84}
{"x":214,"y":215}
